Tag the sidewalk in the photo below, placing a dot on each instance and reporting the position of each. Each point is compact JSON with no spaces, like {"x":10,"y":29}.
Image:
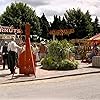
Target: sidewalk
{"x":41,"y":74}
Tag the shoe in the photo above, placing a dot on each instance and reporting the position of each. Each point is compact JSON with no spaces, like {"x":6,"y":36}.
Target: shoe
{"x":12,"y":76}
{"x":3,"y":68}
{"x":15,"y":72}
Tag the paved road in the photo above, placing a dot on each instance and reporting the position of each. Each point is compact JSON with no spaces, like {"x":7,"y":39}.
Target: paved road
{"x":86,"y":87}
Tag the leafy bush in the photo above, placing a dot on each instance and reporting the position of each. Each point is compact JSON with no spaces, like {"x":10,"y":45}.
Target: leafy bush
{"x":57,"y":57}
{"x":56,"y":51}
{"x":48,"y":63}
{"x":68,"y":45}
{"x":68,"y":65}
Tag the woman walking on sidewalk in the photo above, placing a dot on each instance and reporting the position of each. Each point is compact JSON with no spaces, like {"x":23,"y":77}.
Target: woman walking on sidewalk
{"x":12,"y":55}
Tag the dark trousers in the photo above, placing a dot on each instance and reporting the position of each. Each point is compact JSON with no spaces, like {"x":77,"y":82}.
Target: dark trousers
{"x":5,"y":60}
{"x":12,"y":58}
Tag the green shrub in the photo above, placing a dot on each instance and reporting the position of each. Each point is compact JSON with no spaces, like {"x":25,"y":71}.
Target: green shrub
{"x":50,"y":64}
{"x":57,"y":57}
{"x":67,"y":65}
{"x":56,"y":51}
{"x":68,"y":45}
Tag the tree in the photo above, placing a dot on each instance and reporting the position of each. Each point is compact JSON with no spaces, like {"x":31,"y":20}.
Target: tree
{"x":64,"y":24}
{"x":45,"y":26}
{"x":18,"y":14}
{"x":95,"y":26}
{"x":56,"y":24}
{"x":88,"y":24}
{"x":80,"y":22}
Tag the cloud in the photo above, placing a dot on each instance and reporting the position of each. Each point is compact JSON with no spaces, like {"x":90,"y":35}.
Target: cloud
{"x":34,"y":3}
{"x":49,"y":12}
{"x":3,"y":2}
{"x":3,"y":5}
{"x":56,"y":7}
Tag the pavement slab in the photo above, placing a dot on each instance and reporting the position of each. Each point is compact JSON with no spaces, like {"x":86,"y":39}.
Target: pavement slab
{"x":83,"y":68}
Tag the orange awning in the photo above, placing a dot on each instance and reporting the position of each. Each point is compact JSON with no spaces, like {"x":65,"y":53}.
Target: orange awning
{"x":95,"y":37}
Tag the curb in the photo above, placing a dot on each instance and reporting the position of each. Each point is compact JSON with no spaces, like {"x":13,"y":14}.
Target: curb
{"x":46,"y":78}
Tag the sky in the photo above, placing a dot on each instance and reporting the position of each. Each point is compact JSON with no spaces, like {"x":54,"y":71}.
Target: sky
{"x":57,"y":7}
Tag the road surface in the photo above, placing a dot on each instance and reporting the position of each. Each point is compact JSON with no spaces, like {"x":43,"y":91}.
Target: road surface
{"x":84,"y":87}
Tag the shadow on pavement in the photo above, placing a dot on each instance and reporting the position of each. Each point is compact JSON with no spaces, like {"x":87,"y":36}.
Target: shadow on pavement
{"x":92,"y":67}
{"x":22,"y":75}
{"x":4,"y":75}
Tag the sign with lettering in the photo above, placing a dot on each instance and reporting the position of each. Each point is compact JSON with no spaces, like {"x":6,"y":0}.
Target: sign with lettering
{"x":62,"y":32}
{"x":7,"y":29}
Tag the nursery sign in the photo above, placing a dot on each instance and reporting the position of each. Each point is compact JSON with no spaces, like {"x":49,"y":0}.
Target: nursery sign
{"x":61,"y":32}
{"x":7,"y":29}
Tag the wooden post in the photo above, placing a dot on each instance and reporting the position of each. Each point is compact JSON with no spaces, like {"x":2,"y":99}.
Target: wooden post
{"x":53,"y":37}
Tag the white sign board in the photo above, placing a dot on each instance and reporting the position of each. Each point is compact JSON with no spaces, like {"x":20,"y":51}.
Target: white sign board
{"x":6,"y":29}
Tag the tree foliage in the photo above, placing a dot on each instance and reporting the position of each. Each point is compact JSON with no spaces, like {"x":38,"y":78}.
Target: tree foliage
{"x":45,"y":26}
{"x":18,"y":14}
{"x":95,"y":26}
{"x":56,"y":24}
{"x":80,"y":22}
